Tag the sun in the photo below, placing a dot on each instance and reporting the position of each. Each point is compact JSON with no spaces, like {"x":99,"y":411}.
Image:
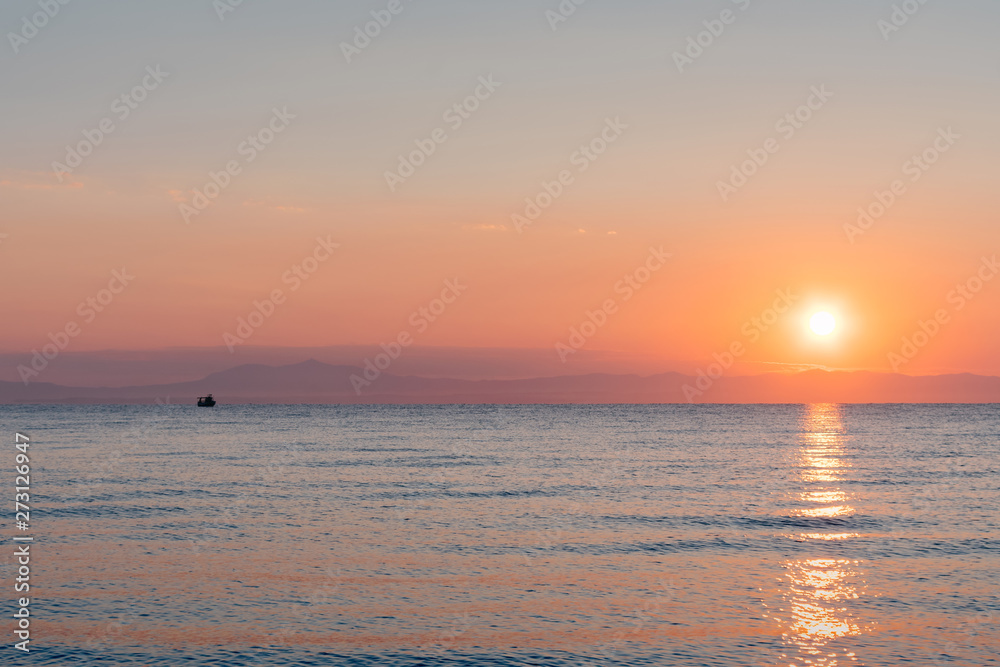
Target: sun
{"x":822,"y":323}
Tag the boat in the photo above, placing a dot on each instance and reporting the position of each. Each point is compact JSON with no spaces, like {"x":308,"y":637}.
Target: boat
{"x":206,"y":401}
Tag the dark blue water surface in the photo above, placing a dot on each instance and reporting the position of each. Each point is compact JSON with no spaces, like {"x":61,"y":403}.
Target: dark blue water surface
{"x":509,"y":535}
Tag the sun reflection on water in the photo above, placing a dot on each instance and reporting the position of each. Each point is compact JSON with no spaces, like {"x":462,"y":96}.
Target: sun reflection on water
{"x":816,"y":591}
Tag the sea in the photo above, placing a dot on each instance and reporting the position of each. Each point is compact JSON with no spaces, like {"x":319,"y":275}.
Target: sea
{"x":784,"y":535}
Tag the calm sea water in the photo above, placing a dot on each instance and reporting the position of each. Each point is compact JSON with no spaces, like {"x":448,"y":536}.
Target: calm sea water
{"x":483,"y":535}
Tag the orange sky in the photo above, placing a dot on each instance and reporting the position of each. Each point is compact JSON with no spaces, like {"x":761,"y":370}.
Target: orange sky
{"x":656,"y":185}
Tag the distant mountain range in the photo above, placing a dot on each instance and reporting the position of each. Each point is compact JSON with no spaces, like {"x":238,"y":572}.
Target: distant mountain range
{"x":316,"y":382}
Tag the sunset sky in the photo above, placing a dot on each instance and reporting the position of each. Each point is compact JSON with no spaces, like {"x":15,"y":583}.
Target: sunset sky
{"x":671,"y":128}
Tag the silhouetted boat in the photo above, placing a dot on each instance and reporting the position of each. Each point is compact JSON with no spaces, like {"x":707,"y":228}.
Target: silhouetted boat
{"x":206,"y":401}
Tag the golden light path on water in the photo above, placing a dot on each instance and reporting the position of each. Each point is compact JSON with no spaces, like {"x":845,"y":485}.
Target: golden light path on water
{"x":817,"y":590}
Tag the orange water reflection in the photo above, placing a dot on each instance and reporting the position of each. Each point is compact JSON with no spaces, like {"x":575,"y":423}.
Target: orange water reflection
{"x":817,"y":591}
